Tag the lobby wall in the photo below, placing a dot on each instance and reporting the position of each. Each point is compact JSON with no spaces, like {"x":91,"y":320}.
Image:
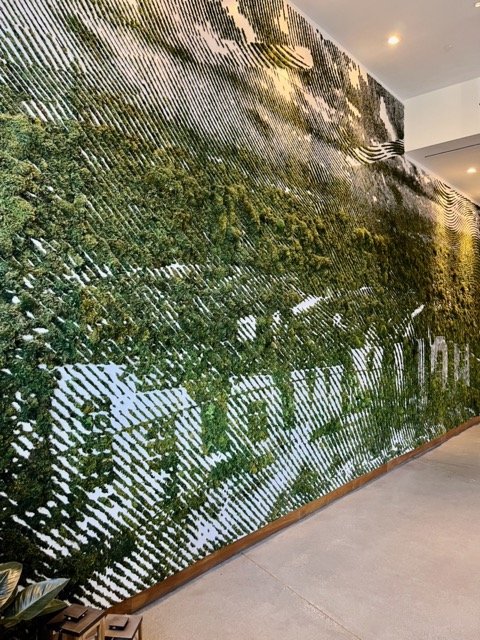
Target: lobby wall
{"x":225,"y":291}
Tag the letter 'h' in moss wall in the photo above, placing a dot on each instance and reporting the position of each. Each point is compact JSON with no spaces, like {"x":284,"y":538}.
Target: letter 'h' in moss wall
{"x":225,"y":291}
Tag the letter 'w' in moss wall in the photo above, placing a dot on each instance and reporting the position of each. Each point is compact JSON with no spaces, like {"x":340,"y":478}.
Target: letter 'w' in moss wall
{"x":225,"y":292}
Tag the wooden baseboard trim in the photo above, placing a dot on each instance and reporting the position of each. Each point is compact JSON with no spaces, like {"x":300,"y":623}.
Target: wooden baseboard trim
{"x":136,"y":602}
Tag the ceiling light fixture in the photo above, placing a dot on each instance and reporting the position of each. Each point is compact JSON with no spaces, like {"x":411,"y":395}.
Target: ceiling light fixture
{"x":477,"y":4}
{"x":472,"y":169}
{"x":393,"y":40}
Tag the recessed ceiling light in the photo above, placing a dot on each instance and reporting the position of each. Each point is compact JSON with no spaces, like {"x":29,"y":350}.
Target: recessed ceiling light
{"x":477,"y":4}
{"x":472,"y":169}
{"x":393,"y":40}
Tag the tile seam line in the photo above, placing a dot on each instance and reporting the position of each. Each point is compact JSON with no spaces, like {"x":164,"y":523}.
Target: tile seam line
{"x":454,"y":465}
{"x":451,"y":467}
{"x":311,"y":604}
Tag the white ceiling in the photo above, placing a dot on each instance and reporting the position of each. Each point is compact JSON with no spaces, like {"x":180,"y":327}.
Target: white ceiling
{"x":440,"y":39}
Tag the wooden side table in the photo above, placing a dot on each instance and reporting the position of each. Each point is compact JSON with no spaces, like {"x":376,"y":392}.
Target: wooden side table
{"x":90,"y":625}
{"x":132,"y":630}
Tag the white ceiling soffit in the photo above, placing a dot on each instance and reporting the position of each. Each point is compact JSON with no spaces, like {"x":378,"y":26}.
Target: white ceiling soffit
{"x":442,"y":133}
{"x":440,"y":39}
{"x":451,"y":161}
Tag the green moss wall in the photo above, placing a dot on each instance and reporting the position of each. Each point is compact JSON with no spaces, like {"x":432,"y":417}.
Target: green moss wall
{"x":225,"y":292}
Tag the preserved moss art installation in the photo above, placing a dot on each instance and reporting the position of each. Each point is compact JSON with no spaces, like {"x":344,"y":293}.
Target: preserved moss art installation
{"x":225,"y":292}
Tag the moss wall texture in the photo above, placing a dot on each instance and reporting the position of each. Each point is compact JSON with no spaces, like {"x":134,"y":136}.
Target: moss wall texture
{"x":225,"y":292}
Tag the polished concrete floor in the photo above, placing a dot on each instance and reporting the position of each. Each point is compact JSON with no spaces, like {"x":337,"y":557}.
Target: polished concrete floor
{"x":397,"y":560}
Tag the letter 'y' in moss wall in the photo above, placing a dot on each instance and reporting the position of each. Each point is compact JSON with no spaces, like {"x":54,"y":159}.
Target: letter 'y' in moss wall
{"x":225,"y":292}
